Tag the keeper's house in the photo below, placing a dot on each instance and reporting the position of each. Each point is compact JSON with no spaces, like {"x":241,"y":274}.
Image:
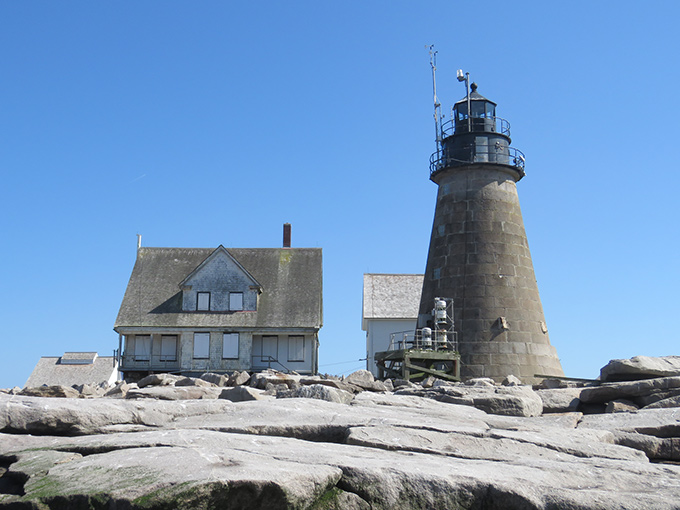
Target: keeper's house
{"x":196,"y":310}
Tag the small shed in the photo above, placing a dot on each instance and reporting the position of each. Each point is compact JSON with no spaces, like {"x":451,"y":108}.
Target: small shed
{"x":390,"y":305}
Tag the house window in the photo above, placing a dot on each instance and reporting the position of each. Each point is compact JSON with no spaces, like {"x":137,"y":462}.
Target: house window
{"x":236,"y":301}
{"x":169,"y":348}
{"x":203,"y":301}
{"x":142,"y":347}
{"x":296,"y":348}
{"x":230,"y":346}
{"x":201,"y":345}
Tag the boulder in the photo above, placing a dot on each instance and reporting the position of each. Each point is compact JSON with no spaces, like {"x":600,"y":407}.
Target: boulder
{"x":273,"y":389}
{"x":607,"y":392}
{"x":216,"y":379}
{"x":551,"y":384}
{"x":175,"y":393}
{"x":620,"y":406}
{"x":640,"y":367}
{"x":655,"y":448}
{"x":502,"y":400}
{"x":511,"y":380}
{"x":318,"y":391}
{"x":239,"y":378}
{"x":158,"y":380}
{"x":510,"y":401}
{"x":90,"y":390}
{"x":242,"y":394}
{"x":365,"y":380}
{"x":560,"y":400}
{"x":388,"y":385}
{"x":483,"y":382}
{"x":57,"y":391}
{"x":401,"y":383}
{"x":194,"y":381}
{"x":120,"y":389}
{"x":333,"y":383}
{"x":360,"y":376}
{"x":261,"y":379}
{"x":655,"y":396}
{"x":441,"y":383}
{"x":665,"y":403}
{"x":428,"y":382}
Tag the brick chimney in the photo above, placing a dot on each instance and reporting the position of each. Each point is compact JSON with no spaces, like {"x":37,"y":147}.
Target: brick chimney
{"x":286,"y":235}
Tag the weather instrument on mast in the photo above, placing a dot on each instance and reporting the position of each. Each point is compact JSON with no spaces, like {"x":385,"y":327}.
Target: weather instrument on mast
{"x":437,"y":104}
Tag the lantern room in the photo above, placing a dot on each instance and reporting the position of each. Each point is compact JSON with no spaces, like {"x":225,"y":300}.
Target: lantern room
{"x":482,"y":116}
{"x":474,"y":135}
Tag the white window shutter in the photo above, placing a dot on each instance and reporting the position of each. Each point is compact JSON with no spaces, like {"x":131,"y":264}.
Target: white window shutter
{"x":201,"y":345}
{"x":230,"y":345}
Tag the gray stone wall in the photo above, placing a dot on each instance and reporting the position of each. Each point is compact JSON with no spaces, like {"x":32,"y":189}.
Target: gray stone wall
{"x":479,"y":256}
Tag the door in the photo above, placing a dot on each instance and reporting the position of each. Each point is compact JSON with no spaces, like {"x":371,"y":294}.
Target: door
{"x":270,"y":349}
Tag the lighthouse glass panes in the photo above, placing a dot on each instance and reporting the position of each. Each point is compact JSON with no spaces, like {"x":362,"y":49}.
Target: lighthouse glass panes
{"x":480,"y":110}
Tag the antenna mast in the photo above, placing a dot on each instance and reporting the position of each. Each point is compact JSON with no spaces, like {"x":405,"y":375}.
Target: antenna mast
{"x":437,"y":105}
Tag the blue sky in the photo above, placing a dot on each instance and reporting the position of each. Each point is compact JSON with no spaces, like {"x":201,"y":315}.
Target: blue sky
{"x":204,"y":123}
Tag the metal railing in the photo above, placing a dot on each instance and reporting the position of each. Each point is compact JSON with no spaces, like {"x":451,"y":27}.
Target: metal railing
{"x":441,"y":340}
{"x":477,"y":124}
{"x":497,"y":154}
{"x":268,"y":360}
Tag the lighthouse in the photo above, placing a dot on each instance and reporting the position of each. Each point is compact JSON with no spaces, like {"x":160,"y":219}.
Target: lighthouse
{"x":479,"y":255}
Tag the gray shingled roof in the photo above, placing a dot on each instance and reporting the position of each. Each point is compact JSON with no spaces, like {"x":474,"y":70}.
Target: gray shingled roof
{"x":51,"y":371}
{"x":391,"y":296}
{"x":291,"y":279}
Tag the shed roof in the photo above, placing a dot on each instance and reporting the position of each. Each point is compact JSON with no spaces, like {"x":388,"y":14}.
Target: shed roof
{"x":60,"y":370}
{"x":391,"y":296}
{"x":291,"y":280}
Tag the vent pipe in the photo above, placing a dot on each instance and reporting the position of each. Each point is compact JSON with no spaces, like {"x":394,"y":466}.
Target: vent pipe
{"x":139,"y":241}
{"x":286,"y":235}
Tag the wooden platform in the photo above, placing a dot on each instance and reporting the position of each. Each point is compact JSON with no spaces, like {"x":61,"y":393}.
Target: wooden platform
{"x":417,"y":364}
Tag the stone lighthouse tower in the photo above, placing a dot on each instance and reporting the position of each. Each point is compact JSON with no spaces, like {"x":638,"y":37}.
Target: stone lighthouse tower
{"x":479,"y":256}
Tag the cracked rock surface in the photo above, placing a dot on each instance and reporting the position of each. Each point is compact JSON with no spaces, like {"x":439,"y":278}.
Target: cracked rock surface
{"x":381,"y":451}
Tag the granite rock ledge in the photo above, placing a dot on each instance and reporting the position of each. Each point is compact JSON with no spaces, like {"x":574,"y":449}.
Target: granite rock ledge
{"x":281,"y":441}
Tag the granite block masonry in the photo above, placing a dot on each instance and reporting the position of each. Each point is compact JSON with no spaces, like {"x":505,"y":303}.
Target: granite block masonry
{"x":479,"y":255}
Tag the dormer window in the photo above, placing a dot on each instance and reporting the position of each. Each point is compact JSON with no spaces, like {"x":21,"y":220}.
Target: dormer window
{"x":236,"y":301}
{"x":203,"y":301}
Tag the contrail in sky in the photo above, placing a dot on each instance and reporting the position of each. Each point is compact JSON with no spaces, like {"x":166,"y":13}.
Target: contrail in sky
{"x":138,"y":178}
